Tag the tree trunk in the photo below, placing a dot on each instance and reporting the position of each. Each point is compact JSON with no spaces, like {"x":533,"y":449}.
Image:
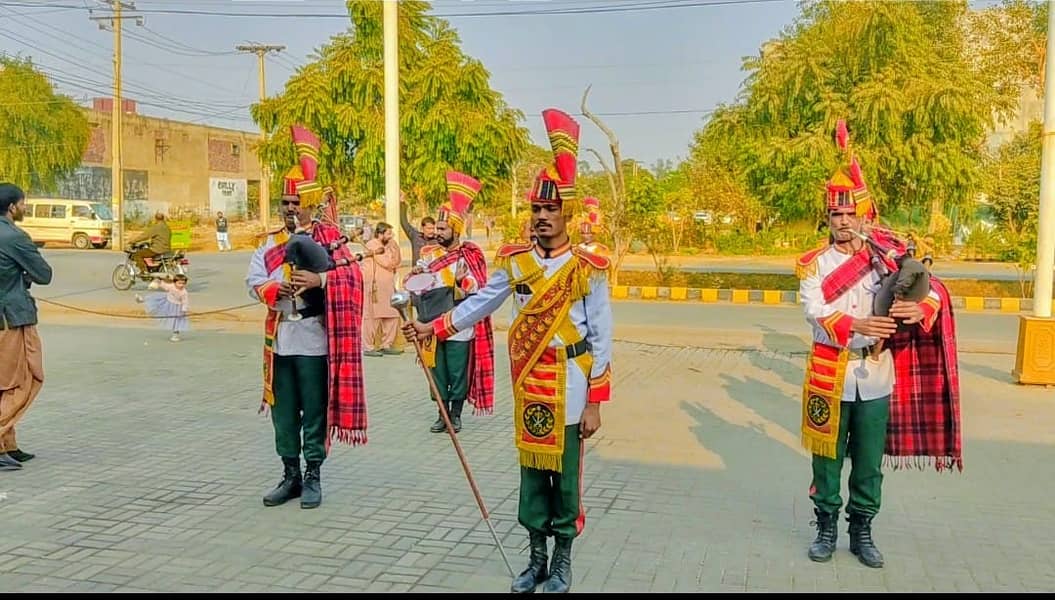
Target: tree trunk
{"x":618,"y":210}
{"x":620,"y":248}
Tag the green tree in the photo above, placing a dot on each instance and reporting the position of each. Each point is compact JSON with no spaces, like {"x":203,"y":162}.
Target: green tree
{"x":897,"y":72}
{"x":450,"y":118}
{"x":1012,"y":181}
{"x":44,"y":134}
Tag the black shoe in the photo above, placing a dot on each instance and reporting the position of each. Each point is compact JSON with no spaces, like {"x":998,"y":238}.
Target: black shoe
{"x":312,"y":486}
{"x":823,"y":547}
{"x":8,"y":464}
{"x":559,"y":581}
{"x":20,"y":456}
{"x":289,"y":487}
{"x":439,"y":426}
{"x":861,"y":543}
{"x":456,"y":422}
{"x":535,"y":573}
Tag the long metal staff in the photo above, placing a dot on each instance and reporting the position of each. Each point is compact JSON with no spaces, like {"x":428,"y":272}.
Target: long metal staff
{"x":399,"y":301}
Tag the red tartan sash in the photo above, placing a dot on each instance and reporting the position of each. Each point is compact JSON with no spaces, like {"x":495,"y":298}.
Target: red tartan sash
{"x":846,"y":275}
{"x":275,"y":256}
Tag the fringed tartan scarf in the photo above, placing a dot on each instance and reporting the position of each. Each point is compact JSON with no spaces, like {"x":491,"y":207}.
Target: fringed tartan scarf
{"x":924,"y":424}
{"x":346,"y":413}
{"x":482,"y":359}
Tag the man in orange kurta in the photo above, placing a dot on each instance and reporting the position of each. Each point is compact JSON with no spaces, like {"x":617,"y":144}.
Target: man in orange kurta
{"x":379,"y":283}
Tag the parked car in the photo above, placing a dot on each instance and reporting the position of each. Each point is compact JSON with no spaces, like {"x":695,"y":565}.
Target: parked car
{"x":83,"y":223}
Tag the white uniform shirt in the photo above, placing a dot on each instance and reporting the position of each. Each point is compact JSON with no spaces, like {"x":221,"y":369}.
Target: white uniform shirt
{"x":592,"y":317}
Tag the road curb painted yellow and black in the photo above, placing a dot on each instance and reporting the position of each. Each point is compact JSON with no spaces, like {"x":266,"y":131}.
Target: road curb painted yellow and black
{"x":786,"y":297}
{"x":618,"y":293}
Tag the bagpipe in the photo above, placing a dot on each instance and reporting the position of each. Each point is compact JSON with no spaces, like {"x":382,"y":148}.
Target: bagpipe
{"x":901,"y":275}
{"x":304,"y":253}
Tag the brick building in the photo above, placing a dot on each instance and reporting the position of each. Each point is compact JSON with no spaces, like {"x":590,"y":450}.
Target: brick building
{"x":175,"y":167}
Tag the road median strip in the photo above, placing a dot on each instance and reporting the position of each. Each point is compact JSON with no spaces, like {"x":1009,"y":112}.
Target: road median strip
{"x":788,"y":297}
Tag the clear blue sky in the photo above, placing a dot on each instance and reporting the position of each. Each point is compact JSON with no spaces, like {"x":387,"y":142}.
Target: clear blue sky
{"x":639,"y":61}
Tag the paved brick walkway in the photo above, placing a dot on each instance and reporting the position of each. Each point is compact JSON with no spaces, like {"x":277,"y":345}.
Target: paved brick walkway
{"x":152,"y":461}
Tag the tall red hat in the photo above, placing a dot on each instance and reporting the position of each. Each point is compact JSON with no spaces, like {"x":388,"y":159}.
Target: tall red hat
{"x":302,"y":179}
{"x":461,"y":191}
{"x":846,"y":187}
{"x":556,"y":183}
{"x":592,"y":218}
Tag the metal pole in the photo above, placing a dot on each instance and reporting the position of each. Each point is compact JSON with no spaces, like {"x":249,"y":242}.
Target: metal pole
{"x":392,"y":156}
{"x":265,"y":175}
{"x":1042,"y":289}
{"x":261,"y":50}
{"x":117,"y":185}
{"x":400,"y":301}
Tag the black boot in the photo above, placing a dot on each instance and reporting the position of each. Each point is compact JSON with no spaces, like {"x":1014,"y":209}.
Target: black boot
{"x":535,"y":573}
{"x":19,"y":455}
{"x":559,"y":581}
{"x":289,"y":487}
{"x":312,"y":486}
{"x":823,"y":547}
{"x":861,"y":543}
{"x":439,"y":426}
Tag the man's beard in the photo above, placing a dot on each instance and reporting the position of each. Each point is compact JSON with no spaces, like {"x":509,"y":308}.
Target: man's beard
{"x":445,"y":242}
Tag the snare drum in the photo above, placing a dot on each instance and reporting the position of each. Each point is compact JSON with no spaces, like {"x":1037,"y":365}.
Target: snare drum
{"x":420,"y":283}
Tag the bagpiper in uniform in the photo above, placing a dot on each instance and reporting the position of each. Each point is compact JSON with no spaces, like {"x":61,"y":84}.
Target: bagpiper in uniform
{"x":862,"y":398}
{"x":463,"y":364}
{"x":560,"y":345}
{"x":313,"y":370}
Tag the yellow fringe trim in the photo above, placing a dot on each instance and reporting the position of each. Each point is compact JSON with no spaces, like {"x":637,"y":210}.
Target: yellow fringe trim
{"x":542,"y":462}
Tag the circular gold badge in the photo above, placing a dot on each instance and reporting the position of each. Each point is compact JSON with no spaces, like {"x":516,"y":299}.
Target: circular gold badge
{"x":818,"y":411}
{"x":539,"y":420}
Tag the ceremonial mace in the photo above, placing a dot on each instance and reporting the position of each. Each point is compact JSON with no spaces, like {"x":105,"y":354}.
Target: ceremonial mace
{"x":399,"y":301}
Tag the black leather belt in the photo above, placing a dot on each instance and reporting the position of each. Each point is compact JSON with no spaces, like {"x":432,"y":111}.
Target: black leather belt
{"x":580,"y":347}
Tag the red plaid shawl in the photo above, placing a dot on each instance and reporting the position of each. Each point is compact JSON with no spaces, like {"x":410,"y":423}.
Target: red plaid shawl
{"x":482,"y":360}
{"x":346,"y":410}
{"x":924,"y":421}
{"x":346,"y":414}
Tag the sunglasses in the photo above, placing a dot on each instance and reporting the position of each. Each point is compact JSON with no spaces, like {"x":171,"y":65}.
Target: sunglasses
{"x":291,"y":203}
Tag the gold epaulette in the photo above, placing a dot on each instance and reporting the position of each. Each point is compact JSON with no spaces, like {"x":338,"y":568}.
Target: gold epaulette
{"x":806,"y":264}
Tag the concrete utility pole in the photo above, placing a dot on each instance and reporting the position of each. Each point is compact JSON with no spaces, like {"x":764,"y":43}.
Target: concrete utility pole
{"x":261,"y":50}
{"x":392,"y":156}
{"x":117,"y":180}
{"x":1035,"y":358}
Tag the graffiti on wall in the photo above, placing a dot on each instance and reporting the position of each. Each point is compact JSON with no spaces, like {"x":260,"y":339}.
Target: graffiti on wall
{"x":93,"y":183}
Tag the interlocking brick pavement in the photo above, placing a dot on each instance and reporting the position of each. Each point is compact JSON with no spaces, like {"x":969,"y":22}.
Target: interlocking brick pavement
{"x":152,"y":461}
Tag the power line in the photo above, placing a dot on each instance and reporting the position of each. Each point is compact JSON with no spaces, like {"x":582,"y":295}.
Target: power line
{"x":609,"y":9}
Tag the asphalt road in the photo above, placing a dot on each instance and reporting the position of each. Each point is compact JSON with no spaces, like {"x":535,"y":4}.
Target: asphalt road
{"x":82,"y":279}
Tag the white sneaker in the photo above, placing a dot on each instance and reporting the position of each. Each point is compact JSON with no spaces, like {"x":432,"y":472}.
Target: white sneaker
{"x":174,"y":338}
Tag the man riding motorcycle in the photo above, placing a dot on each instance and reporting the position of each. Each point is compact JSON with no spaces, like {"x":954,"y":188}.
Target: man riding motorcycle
{"x":160,"y":237}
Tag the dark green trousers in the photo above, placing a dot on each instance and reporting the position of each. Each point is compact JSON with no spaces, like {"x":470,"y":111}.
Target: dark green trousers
{"x":550,"y":502}
{"x":862,"y":436}
{"x":300,"y":405}
{"x":452,"y":374}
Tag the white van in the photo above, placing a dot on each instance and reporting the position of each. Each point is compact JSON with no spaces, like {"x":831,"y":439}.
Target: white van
{"x":83,"y":223}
